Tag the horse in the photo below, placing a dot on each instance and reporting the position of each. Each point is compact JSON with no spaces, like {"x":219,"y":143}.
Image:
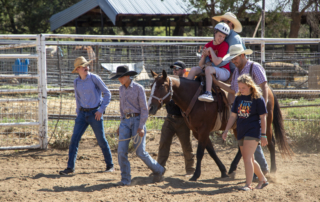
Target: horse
{"x":201,"y":118}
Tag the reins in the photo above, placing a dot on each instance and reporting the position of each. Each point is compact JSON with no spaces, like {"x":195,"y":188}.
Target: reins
{"x":186,"y":113}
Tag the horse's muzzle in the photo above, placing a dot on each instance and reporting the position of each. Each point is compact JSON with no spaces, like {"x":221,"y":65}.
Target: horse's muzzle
{"x":153,"y":109}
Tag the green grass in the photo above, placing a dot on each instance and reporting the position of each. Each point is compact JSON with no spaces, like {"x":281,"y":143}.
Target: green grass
{"x":300,"y":112}
{"x":301,"y":101}
{"x":304,"y":135}
{"x":63,"y":132}
{"x":11,"y":120}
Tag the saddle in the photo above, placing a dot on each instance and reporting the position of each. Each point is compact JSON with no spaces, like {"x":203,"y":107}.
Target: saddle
{"x":219,"y":97}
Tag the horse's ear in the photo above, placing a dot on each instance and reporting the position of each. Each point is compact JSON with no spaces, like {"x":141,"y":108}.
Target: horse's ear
{"x":164,"y":74}
{"x":154,"y":75}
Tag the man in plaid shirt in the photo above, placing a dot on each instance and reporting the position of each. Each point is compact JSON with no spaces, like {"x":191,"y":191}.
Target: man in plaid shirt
{"x":237,"y":56}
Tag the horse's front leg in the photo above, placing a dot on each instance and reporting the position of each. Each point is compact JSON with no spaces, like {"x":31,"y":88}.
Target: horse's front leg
{"x":200,"y":153}
{"x":235,"y":162}
{"x":213,"y":155}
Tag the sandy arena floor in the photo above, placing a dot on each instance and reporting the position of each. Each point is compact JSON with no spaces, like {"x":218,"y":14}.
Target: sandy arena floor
{"x":32,"y":175}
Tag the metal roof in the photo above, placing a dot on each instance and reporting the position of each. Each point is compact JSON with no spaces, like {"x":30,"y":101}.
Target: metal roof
{"x":114,"y":7}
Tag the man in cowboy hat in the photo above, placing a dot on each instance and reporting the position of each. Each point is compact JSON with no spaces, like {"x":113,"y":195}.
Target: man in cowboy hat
{"x":175,"y":124}
{"x":134,"y":114}
{"x":237,"y":56}
{"x":90,"y":105}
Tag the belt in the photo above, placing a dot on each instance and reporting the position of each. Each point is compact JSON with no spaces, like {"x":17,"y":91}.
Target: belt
{"x":130,"y":115}
{"x":174,"y":116}
{"x":88,"y":109}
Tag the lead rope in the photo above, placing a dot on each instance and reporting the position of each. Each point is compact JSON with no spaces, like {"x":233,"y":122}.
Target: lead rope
{"x":135,"y":139}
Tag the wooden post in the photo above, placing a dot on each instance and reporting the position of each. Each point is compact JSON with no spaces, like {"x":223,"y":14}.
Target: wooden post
{"x":97,"y":58}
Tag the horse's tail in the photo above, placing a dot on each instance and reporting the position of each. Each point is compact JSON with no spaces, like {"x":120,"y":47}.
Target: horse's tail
{"x":279,"y":131}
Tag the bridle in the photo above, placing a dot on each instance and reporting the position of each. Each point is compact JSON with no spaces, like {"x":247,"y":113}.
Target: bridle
{"x":164,"y":97}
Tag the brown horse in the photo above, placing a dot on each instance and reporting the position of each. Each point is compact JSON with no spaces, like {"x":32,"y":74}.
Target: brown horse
{"x":203,"y":115}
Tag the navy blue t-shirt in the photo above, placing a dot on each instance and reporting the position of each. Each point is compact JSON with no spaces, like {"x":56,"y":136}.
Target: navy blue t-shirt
{"x":248,"y":112}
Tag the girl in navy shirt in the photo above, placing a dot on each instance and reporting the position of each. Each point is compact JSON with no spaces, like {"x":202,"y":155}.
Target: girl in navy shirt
{"x":249,"y":109}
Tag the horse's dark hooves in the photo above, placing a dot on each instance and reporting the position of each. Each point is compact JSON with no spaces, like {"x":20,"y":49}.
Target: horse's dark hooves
{"x":193,"y":179}
{"x":224,"y":175}
{"x":232,"y":175}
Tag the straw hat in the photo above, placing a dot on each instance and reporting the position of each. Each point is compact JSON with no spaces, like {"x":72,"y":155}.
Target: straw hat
{"x":80,"y":61}
{"x":236,"y":50}
{"x":123,"y":71}
{"x":232,"y":18}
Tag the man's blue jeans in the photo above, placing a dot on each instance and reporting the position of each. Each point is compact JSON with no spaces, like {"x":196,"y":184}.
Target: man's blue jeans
{"x":259,"y":157}
{"x":128,"y":128}
{"x":83,"y":120}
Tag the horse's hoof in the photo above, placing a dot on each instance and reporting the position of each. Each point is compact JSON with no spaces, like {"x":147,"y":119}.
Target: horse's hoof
{"x":233,"y":175}
{"x":193,"y":179}
{"x":224,"y":175}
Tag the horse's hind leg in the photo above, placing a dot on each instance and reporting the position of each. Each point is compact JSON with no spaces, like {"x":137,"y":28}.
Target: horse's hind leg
{"x":271,"y":141}
{"x":213,"y":154}
{"x":200,"y":153}
{"x":235,"y":162}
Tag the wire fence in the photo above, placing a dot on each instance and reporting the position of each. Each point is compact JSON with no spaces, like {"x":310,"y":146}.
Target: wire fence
{"x":294,"y":71}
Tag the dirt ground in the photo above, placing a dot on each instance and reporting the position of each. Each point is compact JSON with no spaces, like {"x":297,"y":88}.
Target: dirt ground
{"x":32,"y":175}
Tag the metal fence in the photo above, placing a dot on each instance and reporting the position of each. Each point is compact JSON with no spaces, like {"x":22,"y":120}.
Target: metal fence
{"x":23,"y":93}
{"x":46,"y":87}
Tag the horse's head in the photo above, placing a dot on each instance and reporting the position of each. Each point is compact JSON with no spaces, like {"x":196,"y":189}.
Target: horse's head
{"x":161,"y":92}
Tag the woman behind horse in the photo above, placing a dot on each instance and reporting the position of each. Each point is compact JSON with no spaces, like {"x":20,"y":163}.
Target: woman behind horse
{"x":216,"y":50}
{"x":249,"y":109}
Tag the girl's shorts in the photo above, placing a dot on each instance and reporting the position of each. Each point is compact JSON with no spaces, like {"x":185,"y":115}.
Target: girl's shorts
{"x":240,"y":142}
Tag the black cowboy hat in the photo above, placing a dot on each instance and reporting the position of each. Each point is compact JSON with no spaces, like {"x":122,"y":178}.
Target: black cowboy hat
{"x":123,"y":71}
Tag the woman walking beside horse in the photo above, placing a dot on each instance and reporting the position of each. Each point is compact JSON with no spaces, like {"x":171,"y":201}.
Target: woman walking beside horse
{"x":249,"y":109}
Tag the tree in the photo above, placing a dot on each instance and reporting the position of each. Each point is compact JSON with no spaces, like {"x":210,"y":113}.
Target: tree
{"x":276,"y":22}
{"x":29,"y":17}
{"x":298,"y":8}
{"x":211,"y":8}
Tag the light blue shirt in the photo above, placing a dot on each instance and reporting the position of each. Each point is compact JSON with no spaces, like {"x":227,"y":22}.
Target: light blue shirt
{"x":133,"y":100}
{"x":232,"y":39}
{"x":88,"y":93}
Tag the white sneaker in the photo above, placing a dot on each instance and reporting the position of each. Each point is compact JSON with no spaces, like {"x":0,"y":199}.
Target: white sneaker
{"x":205,"y":98}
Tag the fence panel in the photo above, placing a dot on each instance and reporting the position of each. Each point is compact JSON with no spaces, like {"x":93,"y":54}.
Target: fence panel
{"x":284,"y":71}
{"x":292,"y":75}
{"x":19,"y":99}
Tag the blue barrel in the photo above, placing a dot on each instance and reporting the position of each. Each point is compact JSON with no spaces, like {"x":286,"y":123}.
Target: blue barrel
{"x":20,"y":67}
